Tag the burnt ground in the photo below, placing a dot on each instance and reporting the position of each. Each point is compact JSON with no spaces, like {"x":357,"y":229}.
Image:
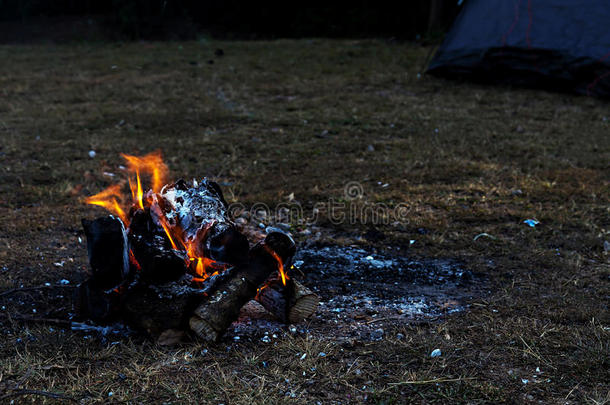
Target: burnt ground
{"x":298,"y":120}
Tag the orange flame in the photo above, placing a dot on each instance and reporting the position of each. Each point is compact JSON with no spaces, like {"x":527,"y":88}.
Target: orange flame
{"x":136,"y":191}
{"x":280,"y":264}
{"x":108,"y":199}
{"x":205,"y":264}
{"x":151,"y":164}
{"x":168,"y":233}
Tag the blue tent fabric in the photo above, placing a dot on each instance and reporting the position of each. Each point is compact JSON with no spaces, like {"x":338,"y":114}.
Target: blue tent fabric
{"x":557,"y":44}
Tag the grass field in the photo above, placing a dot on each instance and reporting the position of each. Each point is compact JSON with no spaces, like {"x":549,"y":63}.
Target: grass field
{"x":306,"y":117}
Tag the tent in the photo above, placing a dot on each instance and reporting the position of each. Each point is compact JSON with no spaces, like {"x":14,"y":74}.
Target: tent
{"x":557,"y":44}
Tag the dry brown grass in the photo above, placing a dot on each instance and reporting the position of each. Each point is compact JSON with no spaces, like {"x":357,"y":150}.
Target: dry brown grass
{"x":255,"y":118}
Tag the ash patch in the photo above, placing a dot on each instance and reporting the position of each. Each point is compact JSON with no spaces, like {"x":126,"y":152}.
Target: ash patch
{"x":365,"y":293}
{"x":360,"y":288}
{"x":360,"y":265}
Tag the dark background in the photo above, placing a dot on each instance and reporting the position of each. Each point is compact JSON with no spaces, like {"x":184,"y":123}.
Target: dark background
{"x":23,"y":20}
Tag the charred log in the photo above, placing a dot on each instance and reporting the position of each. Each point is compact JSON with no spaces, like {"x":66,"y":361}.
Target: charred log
{"x":226,"y":244}
{"x":107,"y":248}
{"x":92,"y":302}
{"x":158,"y":262}
{"x":213,"y":316}
{"x":290,"y":303}
{"x":156,"y":308}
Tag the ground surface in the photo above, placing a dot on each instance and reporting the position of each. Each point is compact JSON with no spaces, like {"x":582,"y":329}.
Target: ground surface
{"x":271,"y":119}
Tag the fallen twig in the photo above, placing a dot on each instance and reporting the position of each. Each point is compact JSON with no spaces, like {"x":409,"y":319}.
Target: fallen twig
{"x":434,"y":381}
{"x":40,"y":287}
{"x":53,"y":395}
{"x":26,"y":318}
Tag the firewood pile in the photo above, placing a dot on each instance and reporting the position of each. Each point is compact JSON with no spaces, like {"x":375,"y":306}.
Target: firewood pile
{"x":172,"y":262}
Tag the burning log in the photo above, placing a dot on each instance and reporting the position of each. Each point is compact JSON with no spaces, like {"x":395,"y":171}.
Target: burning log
{"x":213,"y":317}
{"x":290,"y":303}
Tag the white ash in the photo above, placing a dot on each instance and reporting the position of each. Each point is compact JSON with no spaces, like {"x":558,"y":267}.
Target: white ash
{"x":194,"y":208}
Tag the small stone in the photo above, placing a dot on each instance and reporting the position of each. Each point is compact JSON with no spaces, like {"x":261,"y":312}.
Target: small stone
{"x":266,"y":339}
{"x":64,"y":282}
{"x":321,"y":354}
{"x":370,"y":148}
{"x":436,"y":353}
{"x":400,"y":336}
{"x":92,"y":154}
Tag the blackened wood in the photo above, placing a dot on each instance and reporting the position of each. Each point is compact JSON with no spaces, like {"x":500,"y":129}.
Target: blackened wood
{"x":273,"y":296}
{"x":214,"y":315}
{"x":159,"y":262}
{"x":108,"y":251}
{"x":226,"y":244}
{"x":156,"y":308}
{"x":290,"y":303}
{"x":91,"y":302}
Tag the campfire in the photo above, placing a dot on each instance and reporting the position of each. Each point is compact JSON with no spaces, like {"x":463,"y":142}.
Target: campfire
{"x":169,"y":259}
